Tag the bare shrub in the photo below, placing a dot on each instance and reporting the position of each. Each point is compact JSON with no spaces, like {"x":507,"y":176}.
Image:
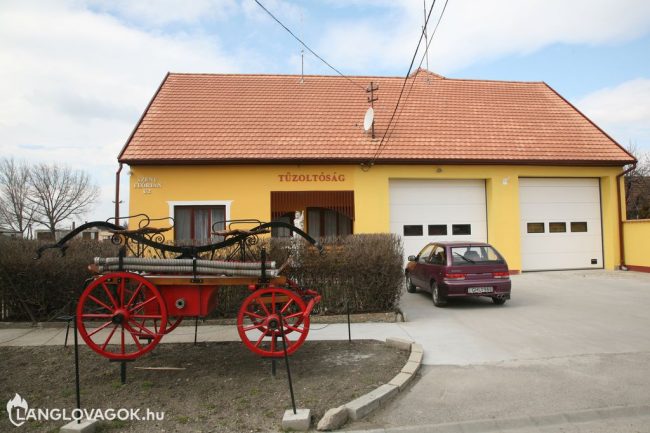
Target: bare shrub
{"x":362,"y":271}
{"x":41,"y":290}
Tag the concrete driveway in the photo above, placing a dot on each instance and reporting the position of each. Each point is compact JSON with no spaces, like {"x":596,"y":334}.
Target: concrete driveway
{"x":570,"y":352}
{"x":551,"y":314}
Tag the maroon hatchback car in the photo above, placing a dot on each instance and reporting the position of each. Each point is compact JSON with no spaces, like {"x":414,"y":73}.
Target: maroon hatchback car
{"x":456,"y":269}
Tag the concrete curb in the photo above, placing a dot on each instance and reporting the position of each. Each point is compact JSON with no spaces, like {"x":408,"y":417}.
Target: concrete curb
{"x":528,"y":422}
{"x":368,"y":403}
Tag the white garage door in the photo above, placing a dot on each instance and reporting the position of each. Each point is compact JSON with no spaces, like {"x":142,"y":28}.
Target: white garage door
{"x":560,"y":224}
{"x":423,"y":211}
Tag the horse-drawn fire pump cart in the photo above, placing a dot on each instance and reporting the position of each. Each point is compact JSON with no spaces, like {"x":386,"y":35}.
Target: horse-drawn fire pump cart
{"x":135,"y":299}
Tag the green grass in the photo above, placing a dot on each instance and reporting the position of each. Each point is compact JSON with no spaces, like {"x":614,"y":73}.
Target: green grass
{"x":183,"y":419}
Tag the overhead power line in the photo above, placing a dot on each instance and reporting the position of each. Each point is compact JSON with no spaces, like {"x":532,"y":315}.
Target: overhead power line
{"x":417,"y":71}
{"x":404,"y":83}
{"x":308,"y":48}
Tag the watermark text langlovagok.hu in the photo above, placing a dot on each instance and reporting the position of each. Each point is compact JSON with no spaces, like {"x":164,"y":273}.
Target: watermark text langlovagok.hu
{"x":19,"y":413}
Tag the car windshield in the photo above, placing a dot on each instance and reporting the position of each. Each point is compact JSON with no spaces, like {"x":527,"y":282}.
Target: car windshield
{"x":475,"y":255}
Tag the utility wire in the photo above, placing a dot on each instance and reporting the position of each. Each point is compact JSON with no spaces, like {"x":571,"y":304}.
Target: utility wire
{"x":403,"y":84}
{"x":309,"y":49}
{"x":418,"y":70}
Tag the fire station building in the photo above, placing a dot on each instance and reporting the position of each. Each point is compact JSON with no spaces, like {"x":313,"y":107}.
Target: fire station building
{"x":510,"y":163}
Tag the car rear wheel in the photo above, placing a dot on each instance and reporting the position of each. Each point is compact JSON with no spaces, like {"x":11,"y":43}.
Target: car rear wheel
{"x":498,"y":301}
{"x":438,"y":299}
{"x":410,"y":287}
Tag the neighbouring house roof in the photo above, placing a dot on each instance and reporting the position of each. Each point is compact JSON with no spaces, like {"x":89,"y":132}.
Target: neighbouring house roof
{"x":226,"y":118}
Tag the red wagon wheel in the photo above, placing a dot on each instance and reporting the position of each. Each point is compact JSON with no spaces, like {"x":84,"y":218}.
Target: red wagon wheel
{"x":172,"y":323}
{"x":119,"y":315}
{"x":262,"y":316}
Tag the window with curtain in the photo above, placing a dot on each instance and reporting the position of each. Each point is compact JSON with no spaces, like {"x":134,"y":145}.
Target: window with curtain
{"x":327,"y":222}
{"x":194,"y":224}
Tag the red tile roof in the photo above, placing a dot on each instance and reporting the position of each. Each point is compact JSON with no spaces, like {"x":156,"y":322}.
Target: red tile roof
{"x":214,"y":118}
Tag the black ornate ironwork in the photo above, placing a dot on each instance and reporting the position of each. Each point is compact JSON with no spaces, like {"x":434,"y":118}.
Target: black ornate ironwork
{"x":243,"y":249}
{"x":147,"y":241}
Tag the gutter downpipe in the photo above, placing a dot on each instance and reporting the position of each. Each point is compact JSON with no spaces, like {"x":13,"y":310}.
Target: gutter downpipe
{"x":117,"y":195}
{"x":621,"y":242}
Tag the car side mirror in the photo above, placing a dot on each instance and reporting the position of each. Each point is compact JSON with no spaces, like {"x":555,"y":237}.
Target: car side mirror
{"x":412,"y":258}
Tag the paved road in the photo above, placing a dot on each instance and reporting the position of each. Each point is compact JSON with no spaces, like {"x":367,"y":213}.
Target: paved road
{"x":569,"y":353}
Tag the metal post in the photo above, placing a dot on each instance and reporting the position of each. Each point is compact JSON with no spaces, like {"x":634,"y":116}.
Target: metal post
{"x":273,"y":361}
{"x":76,"y":366}
{"x":263,"y":280}
{"x":120,"y":255}
{"x":67,"y":331}
{"x":286,"y":361}
{"x":347,"y":307}
{"x":123,"y":372}
{"x":123,"y":363}
{"x":196,"y":328}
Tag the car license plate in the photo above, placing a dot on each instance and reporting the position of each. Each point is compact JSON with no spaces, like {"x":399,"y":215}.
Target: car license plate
{"x":480,"y":290}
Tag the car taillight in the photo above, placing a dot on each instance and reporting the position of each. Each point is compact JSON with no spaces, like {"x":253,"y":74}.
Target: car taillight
{"x":454,"y":276}
{"x":501,"y":275}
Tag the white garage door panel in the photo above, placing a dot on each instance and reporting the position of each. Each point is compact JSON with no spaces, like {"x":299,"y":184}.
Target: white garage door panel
{"x":560,"y":200}
{"x":559,"y":212}
{"x":437,"y":202}
{"x":437,"y":212}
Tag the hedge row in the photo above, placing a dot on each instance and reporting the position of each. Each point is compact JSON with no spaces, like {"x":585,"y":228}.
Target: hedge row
{"x":41,"y":290}
{"x":363,"y":272}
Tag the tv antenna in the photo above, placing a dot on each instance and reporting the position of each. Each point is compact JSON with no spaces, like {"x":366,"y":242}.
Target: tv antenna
{"x":369,"y":119}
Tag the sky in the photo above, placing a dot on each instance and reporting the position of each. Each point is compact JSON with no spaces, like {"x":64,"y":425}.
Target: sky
{"x":76,"y":75}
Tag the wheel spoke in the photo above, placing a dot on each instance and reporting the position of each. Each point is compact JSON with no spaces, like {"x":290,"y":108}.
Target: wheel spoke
{"x":291,"y":316}
{"x":142,"y":304}
{"x":259,"y":340}
{"x":135,"y":293}
{"x":142,"y":328}
{"x":109,"y":337}
{"x":137,"y":343}
{"x":273,"y":343}
{"x":100,"y":302}
{"x":293,"y":328}
{"x":110,"y":295}
{"x":273,"y":302}
{"x":251,"y":314}
{"x":122,"y":288}
{"x":147,"y":316}
{"x":286,"y":306}
{"x":251,"y":327}
{"x":96,"y":316}
{"x":100,"y":328}
{"x":261,"y":304}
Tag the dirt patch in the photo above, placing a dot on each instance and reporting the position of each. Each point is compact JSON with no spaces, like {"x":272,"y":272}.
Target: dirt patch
{"x":222,"y":387}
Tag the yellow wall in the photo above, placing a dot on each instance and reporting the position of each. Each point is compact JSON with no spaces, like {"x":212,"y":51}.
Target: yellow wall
{"x":637,"y":239}
{"x":249,"y":189}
